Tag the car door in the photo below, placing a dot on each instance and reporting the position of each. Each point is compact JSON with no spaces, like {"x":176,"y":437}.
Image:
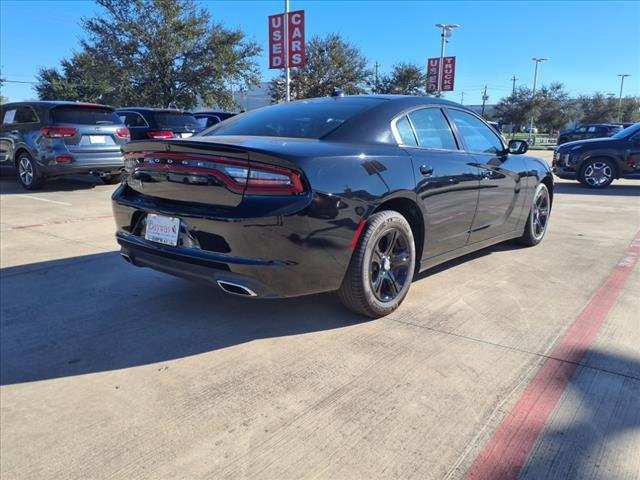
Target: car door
{"x":446,"y":180}
{"x":500,"y":200}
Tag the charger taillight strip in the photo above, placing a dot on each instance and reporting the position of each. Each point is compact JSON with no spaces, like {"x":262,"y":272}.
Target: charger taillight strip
{"x":296,"y":182}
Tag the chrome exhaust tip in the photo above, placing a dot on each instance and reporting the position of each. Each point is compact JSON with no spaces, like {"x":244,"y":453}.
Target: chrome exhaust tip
{"x":236,"y":289}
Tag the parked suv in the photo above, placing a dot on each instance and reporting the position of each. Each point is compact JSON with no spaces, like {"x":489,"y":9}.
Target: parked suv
{"x":596,"y":162}
{"x":208,"y":119}
{"x":50,"y":139}
{"x":595,"y":130}
{"x":146,"y":123}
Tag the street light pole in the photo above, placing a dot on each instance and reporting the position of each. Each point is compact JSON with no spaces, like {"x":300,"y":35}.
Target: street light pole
{"x":286,"y":48}
{"x":537,"y":60}
{"x":447,"y":29}
{"x":621,"y":75}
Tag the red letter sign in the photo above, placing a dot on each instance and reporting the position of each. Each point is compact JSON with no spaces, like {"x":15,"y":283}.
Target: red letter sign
{"x":433,"y":74}
{"x":448,"y":73}
{"x":276,"y":41}
{"x":296,"y":39}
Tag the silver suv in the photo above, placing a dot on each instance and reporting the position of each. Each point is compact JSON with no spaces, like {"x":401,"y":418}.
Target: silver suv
{"x":50,"y":139}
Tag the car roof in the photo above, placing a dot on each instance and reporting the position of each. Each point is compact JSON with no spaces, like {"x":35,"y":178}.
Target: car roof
{"x":54,"y":103}
{"x":151,"y":109}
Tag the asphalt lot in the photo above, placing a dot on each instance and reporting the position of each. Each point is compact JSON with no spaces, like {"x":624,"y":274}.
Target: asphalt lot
{"x":508,"y":357}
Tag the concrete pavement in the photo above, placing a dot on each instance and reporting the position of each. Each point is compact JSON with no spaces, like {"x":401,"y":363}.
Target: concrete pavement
{"x":110,"y":371}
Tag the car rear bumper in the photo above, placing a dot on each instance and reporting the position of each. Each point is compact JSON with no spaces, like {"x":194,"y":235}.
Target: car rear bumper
{"x":272,"y":255}
{"x":50,"y":165}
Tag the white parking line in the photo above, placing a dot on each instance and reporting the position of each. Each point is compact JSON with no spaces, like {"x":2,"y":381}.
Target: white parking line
{"x":39,"y":198}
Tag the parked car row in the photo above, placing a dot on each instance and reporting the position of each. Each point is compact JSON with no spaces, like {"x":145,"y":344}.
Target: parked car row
{"x":596,"y":162}
{"x":45,"y":139}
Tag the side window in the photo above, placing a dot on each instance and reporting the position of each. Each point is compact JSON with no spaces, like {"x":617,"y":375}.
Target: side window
{"x":8,"y":117}
{"x":25,"y":115}
{"x":591,"y":130}
{"x":478,"y":137}
{"x":406,"y":132}
{"x":432,"y":129}
{"x":581,"y":130}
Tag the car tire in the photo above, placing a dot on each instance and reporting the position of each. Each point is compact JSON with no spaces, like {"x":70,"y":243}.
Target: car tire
{"x":382,"y":266}
{"x":29,"y":174}
{"x":538,"y":219}
{"x":112,"y":179}
{"x":597,"y":173}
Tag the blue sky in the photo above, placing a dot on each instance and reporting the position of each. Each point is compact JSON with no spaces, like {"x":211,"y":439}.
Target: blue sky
{"x":588,"y":43}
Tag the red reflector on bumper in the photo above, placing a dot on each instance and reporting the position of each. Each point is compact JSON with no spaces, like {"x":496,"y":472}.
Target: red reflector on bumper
{"x":64,"y":159}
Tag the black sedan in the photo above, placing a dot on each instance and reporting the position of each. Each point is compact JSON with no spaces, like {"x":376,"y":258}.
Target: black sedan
{"x":355,"y":194}
{"x":597,"y":162}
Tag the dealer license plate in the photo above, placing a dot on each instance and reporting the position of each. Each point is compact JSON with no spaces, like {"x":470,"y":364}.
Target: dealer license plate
{"x":162,"y":229}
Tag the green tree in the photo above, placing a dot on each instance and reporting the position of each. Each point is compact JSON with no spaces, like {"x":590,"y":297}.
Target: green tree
{"x":156,"y":53}
{"x":516,"y":109}
{"x":630,"y":111}
{"x":555,"y":108}
{"x":3,"y":99}
{"x":405,"y":79}
{"x":597,"y":108}
{"x":331,"y":63}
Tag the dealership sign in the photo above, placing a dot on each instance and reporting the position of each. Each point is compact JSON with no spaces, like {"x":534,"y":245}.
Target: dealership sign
{"x":448,"y":74}
{"x":295,"y":41}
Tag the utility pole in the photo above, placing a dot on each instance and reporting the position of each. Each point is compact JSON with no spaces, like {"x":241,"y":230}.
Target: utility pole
{"x":622,"y":76}
{"x":286,"y":48}
{"x":375,"y":84}
{"x":461,"y":98}
{"x":445,"y":34}
{"x":484,"y":99}
{"x":535,"y":79}
{"x":513,"y":89}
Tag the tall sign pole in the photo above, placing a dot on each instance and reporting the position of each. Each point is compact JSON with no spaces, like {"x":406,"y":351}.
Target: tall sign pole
{"x":445,"y":34}
{"x":286,"y":48}
{"x":622,"y":76}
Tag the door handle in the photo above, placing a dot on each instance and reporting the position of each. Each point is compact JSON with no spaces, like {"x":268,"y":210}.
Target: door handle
{"x":14,"y":132}
{"x":426,"y":170}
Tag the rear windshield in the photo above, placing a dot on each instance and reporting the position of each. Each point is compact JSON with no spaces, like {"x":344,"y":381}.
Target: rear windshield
{"x":304,"y":119}
{"x":175,"y":120}
{"x":85,"y":115}
{"x":627,"y":132}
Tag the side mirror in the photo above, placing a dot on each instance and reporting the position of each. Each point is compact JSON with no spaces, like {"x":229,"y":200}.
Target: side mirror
{"x":518,"y":147}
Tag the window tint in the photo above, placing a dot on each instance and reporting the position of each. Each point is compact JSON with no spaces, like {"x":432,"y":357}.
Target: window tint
{"x":25,"y":115}
{"x":85,"y":115}
{"x":131,"y":119}
{"x":581,"y":130}
{"x":406,"y":132}
{"x":304,"y":119}
{"x":478,"y":137}
{"x":175,"y":119}
{"x":591,"y":129}
{"x":432,"y":129}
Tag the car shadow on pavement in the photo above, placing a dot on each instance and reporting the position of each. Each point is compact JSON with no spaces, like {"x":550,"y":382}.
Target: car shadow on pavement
{"x":9,"y":183}
{"x":611,"y":190}
{"x":96,"y":313}
{"x":595,"y":422}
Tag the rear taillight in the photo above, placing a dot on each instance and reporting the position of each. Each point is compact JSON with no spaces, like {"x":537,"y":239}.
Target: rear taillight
{"x":63,"y":159}
{"x":238,"y":175}
{"x":263,"y":179}
{"x":58,"y":132}
{"x":160,"y":134}
{"x":123,"y":133}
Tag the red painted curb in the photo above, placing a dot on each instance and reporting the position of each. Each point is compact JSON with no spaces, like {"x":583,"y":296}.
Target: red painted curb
{"x":507,"y":450}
